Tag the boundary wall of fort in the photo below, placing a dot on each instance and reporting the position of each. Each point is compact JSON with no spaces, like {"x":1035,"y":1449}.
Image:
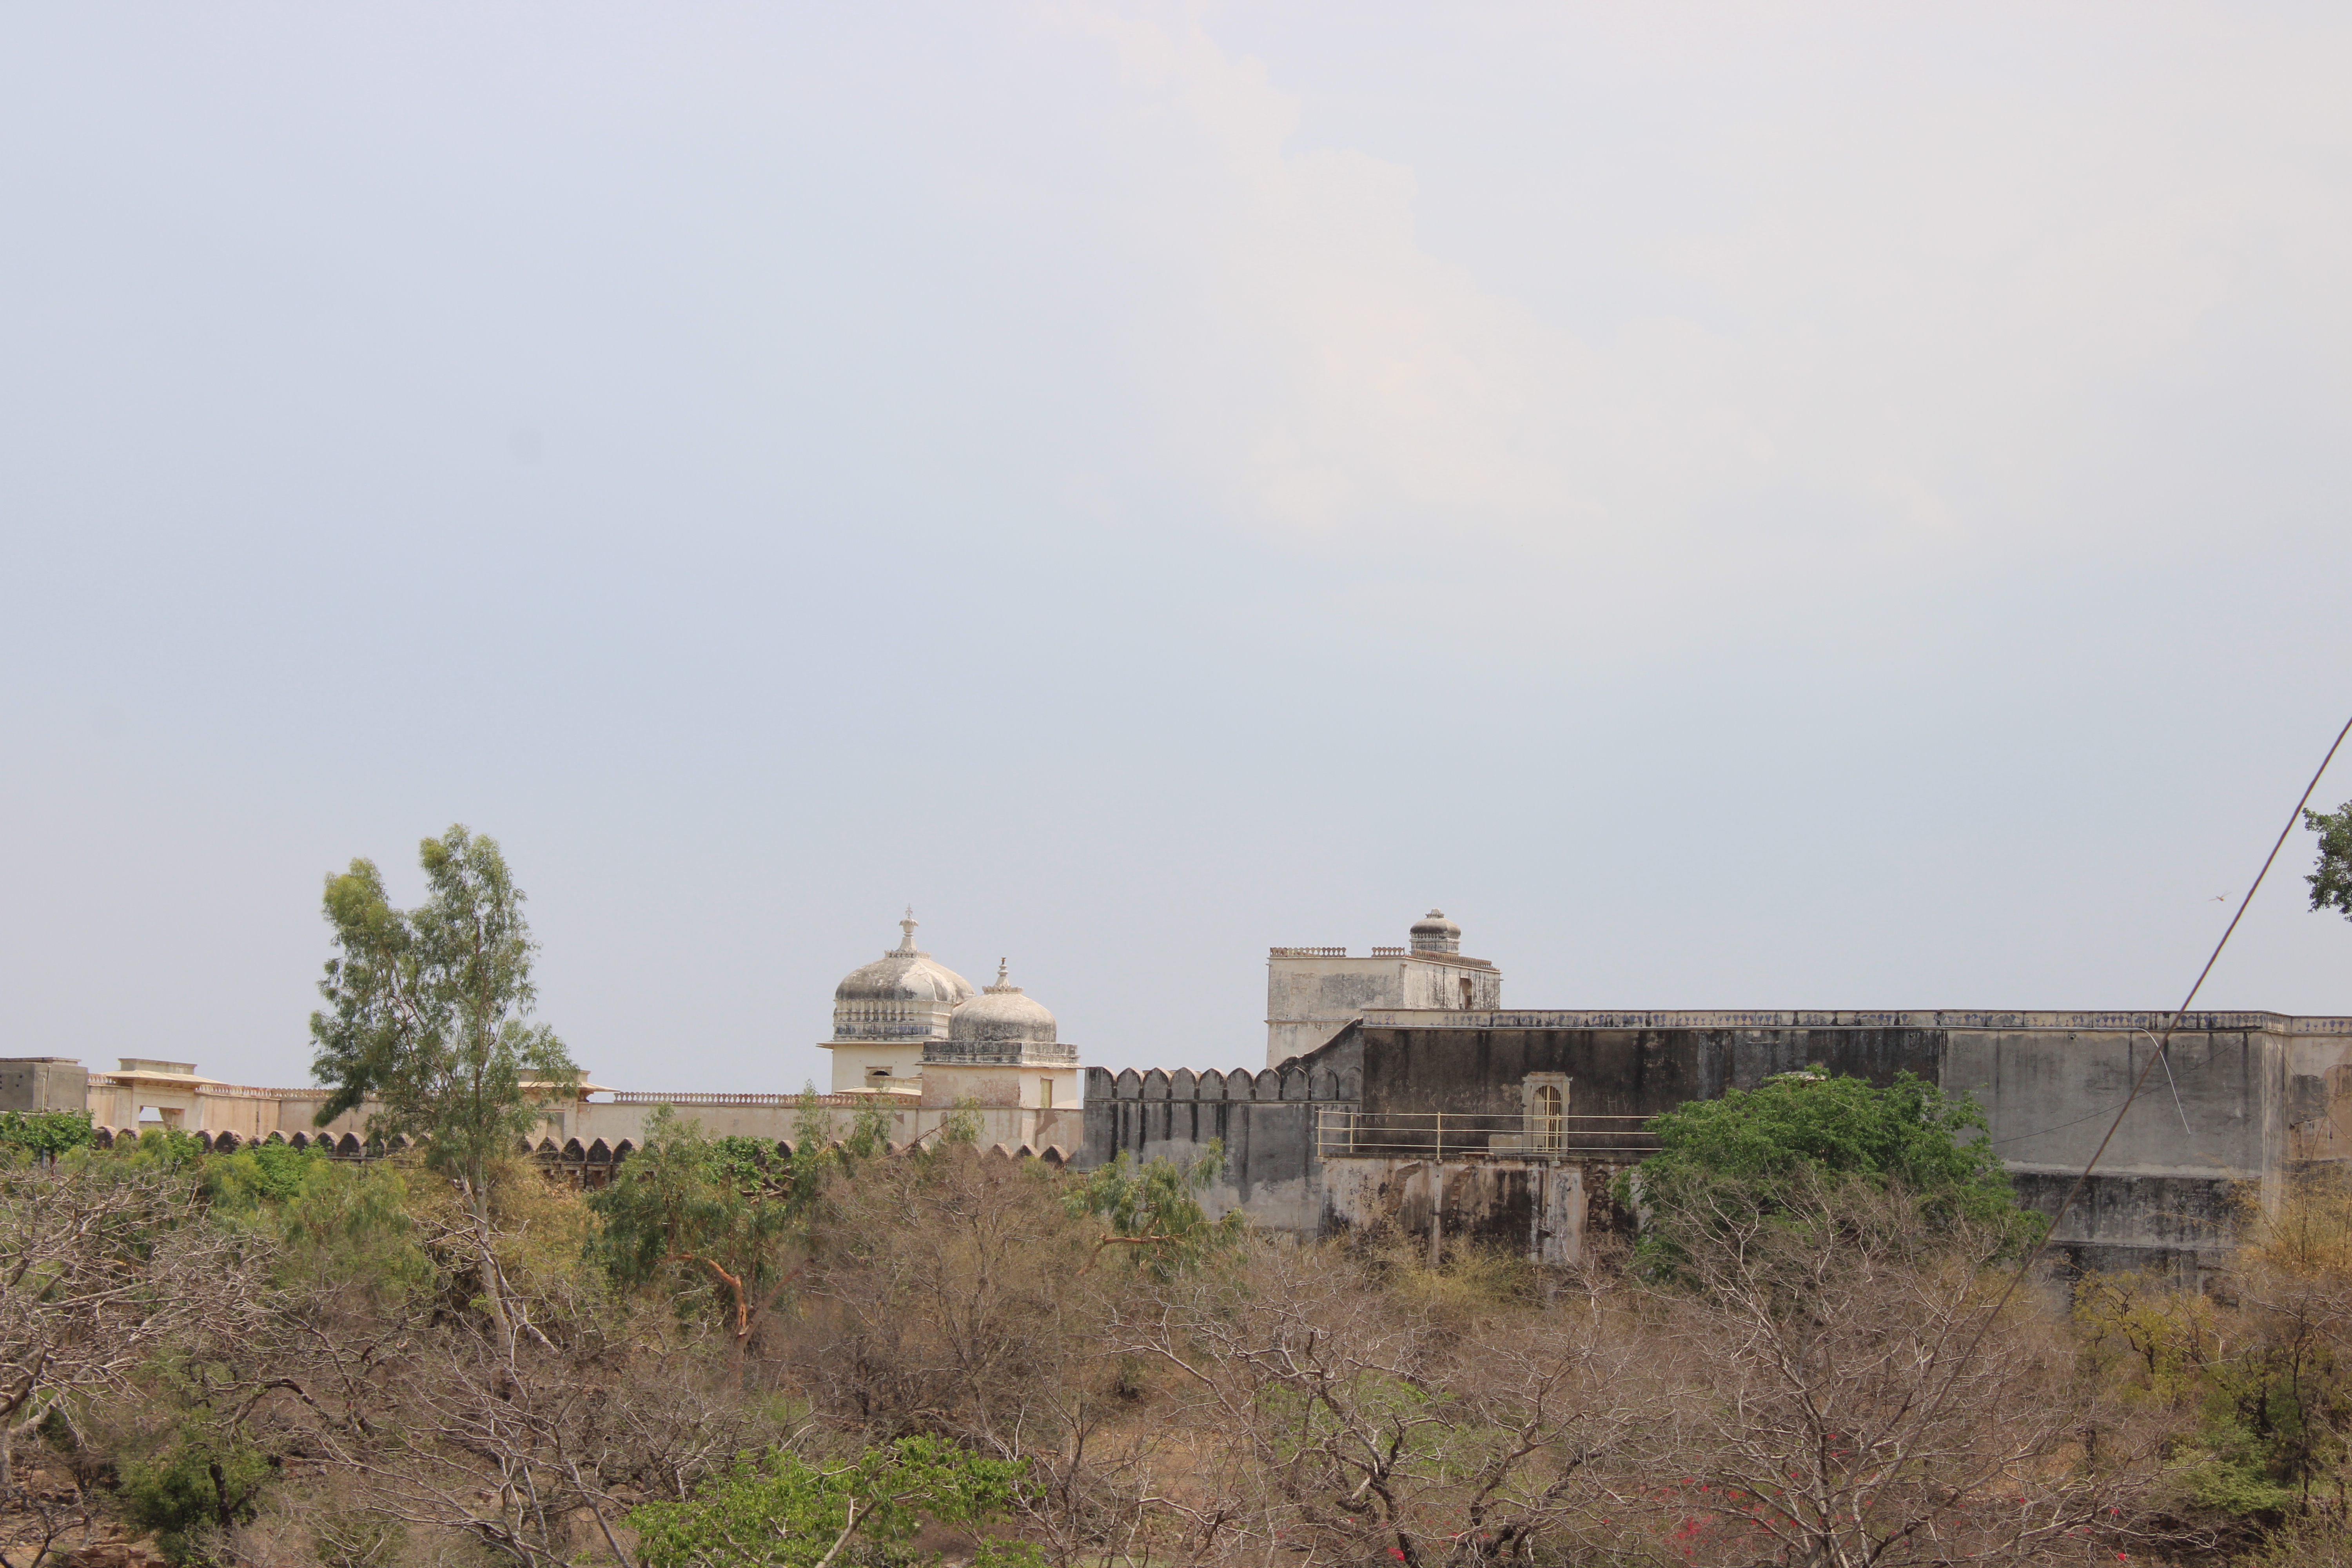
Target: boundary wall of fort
{"x":1436,"y":1123}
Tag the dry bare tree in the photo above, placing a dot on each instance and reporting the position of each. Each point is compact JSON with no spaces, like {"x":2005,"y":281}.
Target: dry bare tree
{"x":1854,"y":1392}
{"x":1334,"y":1411}
{"x":950,"y":1293}
{"x":530,"y":1431}
{"x":104,"y":1265}
{"x":944,"y":1296}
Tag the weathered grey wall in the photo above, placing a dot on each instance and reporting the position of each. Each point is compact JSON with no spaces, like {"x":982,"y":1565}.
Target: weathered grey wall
{"x":2248,"y":1096}
{"x":1266,"y":1121}
{"x":1311,"y":993}
{"x":2202,"y":1140}
{"x":1440,"y":1067}
{"x":1546,"y":1209}
{"x":43,"y":1083}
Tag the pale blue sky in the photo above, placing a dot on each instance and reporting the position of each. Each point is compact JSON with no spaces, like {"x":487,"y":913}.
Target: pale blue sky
{"x":1764,"y":506}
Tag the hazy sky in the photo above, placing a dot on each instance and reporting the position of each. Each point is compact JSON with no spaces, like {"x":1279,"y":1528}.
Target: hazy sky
{"x":1767,"y":506}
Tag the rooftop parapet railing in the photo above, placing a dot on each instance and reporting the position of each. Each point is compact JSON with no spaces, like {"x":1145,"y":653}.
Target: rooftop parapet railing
{"x":1346,"y":1132}
{"x":1306,"y":952}
{"x":1974,"y":1020}
{"x":851,"y":1097}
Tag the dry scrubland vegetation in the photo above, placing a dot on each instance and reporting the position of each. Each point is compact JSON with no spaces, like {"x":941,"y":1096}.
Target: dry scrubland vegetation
{"x":1808,"y":1351}
{"x":855,"y":1356}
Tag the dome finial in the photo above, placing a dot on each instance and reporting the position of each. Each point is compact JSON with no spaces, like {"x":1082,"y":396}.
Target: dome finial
{"x":906,"y":942}
{"x":1000,"y":971}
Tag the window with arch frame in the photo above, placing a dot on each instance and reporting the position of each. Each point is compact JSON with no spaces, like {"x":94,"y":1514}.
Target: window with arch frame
{"x":1548,"y":1116}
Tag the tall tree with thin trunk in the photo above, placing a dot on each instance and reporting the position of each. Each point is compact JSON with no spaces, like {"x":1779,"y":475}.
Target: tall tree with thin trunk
{"x":428,"y":1016}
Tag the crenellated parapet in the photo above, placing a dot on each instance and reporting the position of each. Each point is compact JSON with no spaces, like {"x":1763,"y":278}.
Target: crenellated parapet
{"x":1263,"y":1121}
{"x":1322,"y":1083}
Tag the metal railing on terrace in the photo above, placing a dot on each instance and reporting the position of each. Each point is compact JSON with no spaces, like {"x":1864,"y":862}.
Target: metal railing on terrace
{"x":1345,"y":1132}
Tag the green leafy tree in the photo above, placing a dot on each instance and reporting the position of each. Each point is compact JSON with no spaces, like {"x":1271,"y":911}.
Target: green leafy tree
{"x":208,"y":1479}
{"x":1740,"y":1153}
{"x":725,"y":1211}
{"x":428,"y":1013}
{"x":261,"y":1177}
{"x":1156,"y":1209}
{"x":2331,"y":884}
{"x":45,"y":1133}
{"x":780,"y":1512}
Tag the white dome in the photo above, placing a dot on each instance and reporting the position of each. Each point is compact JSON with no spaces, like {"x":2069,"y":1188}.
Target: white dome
{"x":1002,"y":1027}
{"x":1003,"y":1016}
{"x":900,"y":996}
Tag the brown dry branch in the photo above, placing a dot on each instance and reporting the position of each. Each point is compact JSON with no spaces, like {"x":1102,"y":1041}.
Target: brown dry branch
{"x":102,"y":1266}
{"x":949,"y":1293}
{"x":531,"y":1432}
{"x":1825,"y":1414}
{"x":1335,"y":1410}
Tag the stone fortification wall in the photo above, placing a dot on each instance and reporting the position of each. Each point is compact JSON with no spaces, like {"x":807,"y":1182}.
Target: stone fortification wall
{"x":1266,"y":1121}
{"x":775,"y":1117}
{"x":2248,"y":1097}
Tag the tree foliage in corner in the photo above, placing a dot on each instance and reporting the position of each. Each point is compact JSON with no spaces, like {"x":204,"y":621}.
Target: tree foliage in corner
{"x":428,"y":1012}
{"x":1740,"y":1153}
{"x":2331,"y":883}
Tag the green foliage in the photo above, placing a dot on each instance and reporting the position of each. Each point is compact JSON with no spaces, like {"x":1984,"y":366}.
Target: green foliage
{"x":715,"y":1220}
{"x":961,"y":1127}
{"x":777,"y":1510}
{"x":159,"y":1149}
{"x":2157,"y":1339}
{"x":1156,"y":1209}
{"x":1740,"y":1151}
{"x":429,"y":1009}
{"x":45,"y":1133}
{"x":204,"y":1483}
{"x":2331,"y":884}
{"x":260,"y":1176}
{"x":347,"y":1229}
{"x":2262,"y":1382}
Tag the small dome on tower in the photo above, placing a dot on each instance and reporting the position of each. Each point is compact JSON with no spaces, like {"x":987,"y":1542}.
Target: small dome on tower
{"x":1434,"y":933}
{"x":1002,"y":1015}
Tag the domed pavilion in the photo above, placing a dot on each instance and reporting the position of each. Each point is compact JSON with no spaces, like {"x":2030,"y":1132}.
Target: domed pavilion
{"x":907,"y":1024}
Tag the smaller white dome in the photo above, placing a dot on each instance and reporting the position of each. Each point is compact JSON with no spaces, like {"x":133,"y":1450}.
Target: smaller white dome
{"x":1000,"y":1017}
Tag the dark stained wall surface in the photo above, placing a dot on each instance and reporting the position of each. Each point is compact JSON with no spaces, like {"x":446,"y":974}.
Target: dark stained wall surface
{"x":1616,"y":1072}
{"x":2244,"y":1097}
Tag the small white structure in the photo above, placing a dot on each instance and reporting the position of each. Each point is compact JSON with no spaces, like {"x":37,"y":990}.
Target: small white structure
{"x":905,"y":1025}
{"x":1002,"y":1049}
{"x":888,"y":1013}
{"x":1313,"y":992}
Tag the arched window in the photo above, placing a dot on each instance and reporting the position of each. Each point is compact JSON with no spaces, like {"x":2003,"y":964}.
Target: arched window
{"x":1549,"y":1121}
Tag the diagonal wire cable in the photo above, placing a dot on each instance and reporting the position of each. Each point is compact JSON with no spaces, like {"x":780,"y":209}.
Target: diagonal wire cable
{"x":2162,"y":1048}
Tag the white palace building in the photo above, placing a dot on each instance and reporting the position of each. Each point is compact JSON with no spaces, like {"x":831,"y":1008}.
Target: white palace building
{"x":911,"y":1038}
